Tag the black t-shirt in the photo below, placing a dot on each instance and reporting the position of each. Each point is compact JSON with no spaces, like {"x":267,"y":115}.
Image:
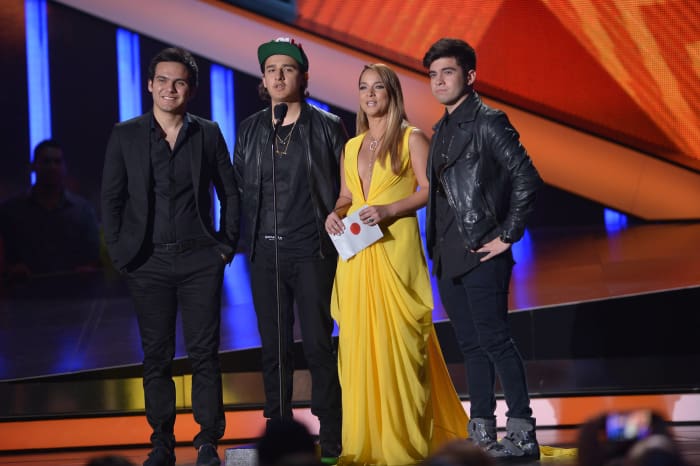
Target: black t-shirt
{"x":451,"y":257}
{"x":296,"y":223}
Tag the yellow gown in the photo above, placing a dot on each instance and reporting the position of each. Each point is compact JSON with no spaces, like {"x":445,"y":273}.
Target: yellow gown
{"x":399,"y":403}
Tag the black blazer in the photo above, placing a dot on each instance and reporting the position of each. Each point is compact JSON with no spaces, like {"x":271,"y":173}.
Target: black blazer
{"x":127,"y":186}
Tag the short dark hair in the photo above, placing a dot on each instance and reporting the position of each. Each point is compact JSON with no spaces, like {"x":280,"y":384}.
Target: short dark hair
{"x":449,"y":47}
{"x":46,"y":144}
{"x":178,"y":55}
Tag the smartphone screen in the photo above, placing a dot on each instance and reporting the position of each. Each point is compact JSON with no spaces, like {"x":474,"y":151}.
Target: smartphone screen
{"x":627,"y":426}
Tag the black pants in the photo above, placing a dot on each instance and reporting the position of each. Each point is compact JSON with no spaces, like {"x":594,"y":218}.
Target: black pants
{"x":309,"y":284}
{"x":477,"y":304}
{"x":190,"y":280}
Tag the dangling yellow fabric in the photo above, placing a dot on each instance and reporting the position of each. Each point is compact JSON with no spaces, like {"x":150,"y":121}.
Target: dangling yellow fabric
{"x":556,"y":453}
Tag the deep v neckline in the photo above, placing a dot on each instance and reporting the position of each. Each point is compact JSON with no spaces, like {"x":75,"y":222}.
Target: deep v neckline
{"x":365,"y":195}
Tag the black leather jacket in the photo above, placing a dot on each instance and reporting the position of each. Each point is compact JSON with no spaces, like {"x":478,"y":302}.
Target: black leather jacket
{"x":324,"y":137}
{"x":489,"y":179}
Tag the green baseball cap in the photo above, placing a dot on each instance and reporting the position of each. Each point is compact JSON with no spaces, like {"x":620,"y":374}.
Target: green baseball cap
{"x":283,"y":46}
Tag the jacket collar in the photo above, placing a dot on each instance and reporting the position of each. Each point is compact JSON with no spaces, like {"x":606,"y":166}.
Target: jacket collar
{"x":304,"y":115}
{"x":466,"y":111}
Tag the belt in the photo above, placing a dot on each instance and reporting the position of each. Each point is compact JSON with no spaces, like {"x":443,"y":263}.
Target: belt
{"x":183,"y":245}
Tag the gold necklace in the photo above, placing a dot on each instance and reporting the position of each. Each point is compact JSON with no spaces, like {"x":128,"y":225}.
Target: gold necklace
{"x":374,"y":143}
{"x":284,"y":141}
{"x":370,"y":165}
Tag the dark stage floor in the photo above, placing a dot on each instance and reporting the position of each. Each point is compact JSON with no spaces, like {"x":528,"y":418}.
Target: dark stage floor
{"x":687,"y":437}
{"x":77,"y":334}
{"x":67,"y":324}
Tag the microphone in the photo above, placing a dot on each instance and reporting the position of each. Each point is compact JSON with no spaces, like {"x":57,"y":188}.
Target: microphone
{"x":280,"y":112}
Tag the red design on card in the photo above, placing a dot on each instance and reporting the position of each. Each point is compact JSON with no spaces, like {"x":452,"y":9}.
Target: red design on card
{"x":355,"y":228}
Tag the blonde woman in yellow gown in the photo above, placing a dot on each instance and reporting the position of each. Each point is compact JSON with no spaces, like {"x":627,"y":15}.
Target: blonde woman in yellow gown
{"x":399,"y":403}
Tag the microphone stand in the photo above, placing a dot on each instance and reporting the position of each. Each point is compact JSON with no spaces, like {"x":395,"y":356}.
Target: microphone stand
{"x":280,"y":111}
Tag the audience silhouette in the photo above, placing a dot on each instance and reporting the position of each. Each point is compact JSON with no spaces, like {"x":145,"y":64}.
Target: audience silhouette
{"x":48,"y":230}
{"x":286,"y":442}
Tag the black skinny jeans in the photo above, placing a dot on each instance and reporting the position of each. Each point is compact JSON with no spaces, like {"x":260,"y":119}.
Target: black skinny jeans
{"x":477,"y":304}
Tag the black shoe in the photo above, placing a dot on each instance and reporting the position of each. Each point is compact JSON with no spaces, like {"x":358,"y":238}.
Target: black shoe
{"x":160,"y":456}
{"x":207,"y":456}
{"x":327,"y":456}
{"x":330,"y":460}
{"x":329,"y":439}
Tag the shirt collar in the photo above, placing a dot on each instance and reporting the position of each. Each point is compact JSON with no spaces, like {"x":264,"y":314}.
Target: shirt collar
{"x":186,"y":121}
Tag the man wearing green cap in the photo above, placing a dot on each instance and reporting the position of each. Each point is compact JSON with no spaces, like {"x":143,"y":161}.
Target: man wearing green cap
{"x":286,"y":167}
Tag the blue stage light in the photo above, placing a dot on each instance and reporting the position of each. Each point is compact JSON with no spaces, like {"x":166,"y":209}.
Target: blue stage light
{"x":236,"y":293}
{"x":128,"y":74}
{"x":522,"y":297}
{"x":614,"y":221}
{"x":318,"y":104}
{"x":223,"y":111}
{"x":38,"y":90}
{"x":523,"y":250}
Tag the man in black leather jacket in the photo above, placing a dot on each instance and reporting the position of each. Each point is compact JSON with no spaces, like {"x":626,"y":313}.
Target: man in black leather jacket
{"x":482,"y":189}
{"x":286,"y":168}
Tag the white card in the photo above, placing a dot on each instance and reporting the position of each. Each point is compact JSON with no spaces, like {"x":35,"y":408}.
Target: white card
{"x":356,"y":237}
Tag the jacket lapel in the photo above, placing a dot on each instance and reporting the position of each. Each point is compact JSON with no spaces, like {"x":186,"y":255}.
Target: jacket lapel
{"x":460,"y":139}
{"x":142,"y":151}
{"x":304,"y":124}
{"x":195,"y":150}
{"x":264,"y":143}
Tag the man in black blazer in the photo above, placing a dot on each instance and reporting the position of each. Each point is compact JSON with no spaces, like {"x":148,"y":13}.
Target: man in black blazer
{"x":158,"y":227}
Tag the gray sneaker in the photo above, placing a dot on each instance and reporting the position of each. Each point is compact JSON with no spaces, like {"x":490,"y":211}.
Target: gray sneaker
{"x":519,"y":443}
{"x":482,"y":432}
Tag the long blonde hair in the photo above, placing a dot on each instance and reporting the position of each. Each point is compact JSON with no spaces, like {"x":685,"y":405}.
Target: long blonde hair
{"x":392,"y":143}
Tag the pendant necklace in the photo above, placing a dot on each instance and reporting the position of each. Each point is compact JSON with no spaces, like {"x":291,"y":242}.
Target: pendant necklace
{"x":374,"y":143}
{"x":284,"y":142}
